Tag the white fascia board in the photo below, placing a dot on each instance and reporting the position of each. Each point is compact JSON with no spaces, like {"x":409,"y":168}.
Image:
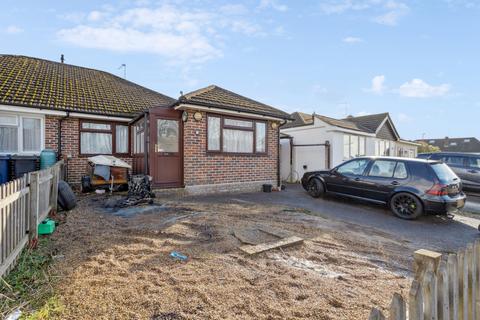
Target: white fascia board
{"x":299,"y":128}
{"x":358,"y":133}
{"x":98,"y":117}
{"x":184,"y":106}
{"x":61,"y":113}
{"x":31,"y":110}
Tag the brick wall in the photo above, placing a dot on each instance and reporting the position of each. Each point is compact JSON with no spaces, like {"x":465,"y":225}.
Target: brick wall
{"x":76,"y":164}
{"x":202,"y":168}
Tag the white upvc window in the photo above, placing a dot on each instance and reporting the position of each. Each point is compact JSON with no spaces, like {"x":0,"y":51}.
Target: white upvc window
{"x":21,"y":133}
{"x":384,"y":148}
{"x":353,"y":146}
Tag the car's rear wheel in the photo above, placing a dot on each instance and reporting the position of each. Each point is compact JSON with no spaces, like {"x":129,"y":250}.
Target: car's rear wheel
{"x":316,"y":188}
{"x":406,"y":206}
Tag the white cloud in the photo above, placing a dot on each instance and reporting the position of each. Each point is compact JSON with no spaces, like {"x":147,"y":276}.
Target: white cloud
{"x":12,"y":29}
{"x":352,"y":40}
{"x":274,"y":4}
{"x":95,"y":15}
{"x":378,"y":85}
{"x":396,"y":10}
{"x":417,"y":88}
{"x":182,"y":35}
{"x":390,"y":11}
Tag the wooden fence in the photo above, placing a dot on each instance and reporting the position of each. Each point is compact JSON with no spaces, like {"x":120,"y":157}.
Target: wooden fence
{"x":24,"y":203}
{"x":445,"y":287}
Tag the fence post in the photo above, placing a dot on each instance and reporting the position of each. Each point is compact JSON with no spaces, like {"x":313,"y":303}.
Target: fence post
{"x":55,"y":179}
{"x":443,"y":292}
{"x":425,"y":260}
{"x":415,"y":302}
{"x":398,"y":308}
{"x":472,"y":279}
{"x":34,"y":203}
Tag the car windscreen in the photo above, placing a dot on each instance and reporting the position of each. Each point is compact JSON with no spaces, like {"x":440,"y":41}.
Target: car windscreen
{"x":444,"y":173}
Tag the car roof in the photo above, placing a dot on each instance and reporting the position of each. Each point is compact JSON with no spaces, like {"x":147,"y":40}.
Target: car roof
{"x":464,"y":154}
{"x":399,"y":159}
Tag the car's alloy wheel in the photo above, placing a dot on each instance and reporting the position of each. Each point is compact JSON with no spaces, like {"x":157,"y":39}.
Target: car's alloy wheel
{"x":406,"y":206}
{"x":315,"y":188}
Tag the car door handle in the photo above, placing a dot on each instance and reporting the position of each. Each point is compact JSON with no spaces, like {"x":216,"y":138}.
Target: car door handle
{"x":357,"y":179}
{"x":473,"y":171}
{"x":395,"y":183}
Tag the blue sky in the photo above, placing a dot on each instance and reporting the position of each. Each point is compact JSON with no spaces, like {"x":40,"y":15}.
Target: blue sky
{"x":418,"y":60}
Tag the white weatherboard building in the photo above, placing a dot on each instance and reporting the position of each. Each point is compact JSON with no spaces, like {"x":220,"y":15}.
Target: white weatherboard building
{"x":315,"y":142}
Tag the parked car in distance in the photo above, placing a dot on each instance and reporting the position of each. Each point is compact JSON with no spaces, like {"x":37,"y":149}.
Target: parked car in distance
{"x":465,"y":165}
{"x":410,"y":187}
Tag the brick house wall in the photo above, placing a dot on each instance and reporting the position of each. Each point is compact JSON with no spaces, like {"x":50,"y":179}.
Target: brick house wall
{"x":76,"y":165}
{"x":225,"y":172}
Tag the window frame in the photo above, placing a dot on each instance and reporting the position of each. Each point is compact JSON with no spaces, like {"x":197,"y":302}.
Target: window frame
{"x":19,"y":125}
{"x":112,"y":131}
{"x":359,"y":138}
{"x":367,"y":173}
{"x":252,"y":129}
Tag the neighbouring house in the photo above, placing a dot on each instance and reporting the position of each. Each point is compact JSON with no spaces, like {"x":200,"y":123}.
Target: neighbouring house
{"x":469,"y":144}
{"x":210,"y":139}
{"x":316,"y":142}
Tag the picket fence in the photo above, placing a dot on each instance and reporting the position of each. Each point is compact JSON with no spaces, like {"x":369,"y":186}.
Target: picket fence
{"x":24,"y":203}
{"x":445,"y":287}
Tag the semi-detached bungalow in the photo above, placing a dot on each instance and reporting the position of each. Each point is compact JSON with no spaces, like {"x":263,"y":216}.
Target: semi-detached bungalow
{"x":316,"y":142}
{"x":208,"y":140}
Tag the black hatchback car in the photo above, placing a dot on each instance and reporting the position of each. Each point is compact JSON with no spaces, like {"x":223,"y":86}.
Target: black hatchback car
{"x":410,"y":187}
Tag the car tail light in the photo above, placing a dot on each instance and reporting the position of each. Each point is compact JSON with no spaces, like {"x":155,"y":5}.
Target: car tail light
{"x":438,"y":189}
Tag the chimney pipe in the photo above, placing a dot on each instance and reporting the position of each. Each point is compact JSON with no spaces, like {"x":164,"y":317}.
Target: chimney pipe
{"x":62,"y":58}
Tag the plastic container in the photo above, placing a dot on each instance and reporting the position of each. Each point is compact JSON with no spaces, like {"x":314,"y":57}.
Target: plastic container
{"x":4,"y":166}
{"x":23,"y":165}
{"x":46,"y":227}
{"x":267,"y":188}
{"x":48,"y":158}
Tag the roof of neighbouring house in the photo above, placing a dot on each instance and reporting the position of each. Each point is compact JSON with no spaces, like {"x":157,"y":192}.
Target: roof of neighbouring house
{"x":467,"y":144}
{"x":39,"y":83}
{"x":216,"y":97}
{"x":371,"y":122}
{"x":343,"y":123}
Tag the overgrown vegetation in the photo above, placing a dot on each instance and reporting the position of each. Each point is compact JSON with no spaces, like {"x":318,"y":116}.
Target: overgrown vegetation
{"x":29,"y":286}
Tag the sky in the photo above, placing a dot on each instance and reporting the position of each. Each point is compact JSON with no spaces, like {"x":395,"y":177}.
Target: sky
{"x":417,"y":60}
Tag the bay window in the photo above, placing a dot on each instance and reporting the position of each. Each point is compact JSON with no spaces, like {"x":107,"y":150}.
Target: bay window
{"x":103,"y":138}
{"x":232,"y":135}
{"x":353,"y":146}
{"x":21,"y":133}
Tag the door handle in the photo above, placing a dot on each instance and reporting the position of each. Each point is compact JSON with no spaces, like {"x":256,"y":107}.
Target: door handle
{"x":473,"y":171}
{"x":395,"y":183}
{"x":357,"y":179}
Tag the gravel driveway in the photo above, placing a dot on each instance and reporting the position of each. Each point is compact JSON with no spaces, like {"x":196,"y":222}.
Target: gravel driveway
{"x":429,"y":232}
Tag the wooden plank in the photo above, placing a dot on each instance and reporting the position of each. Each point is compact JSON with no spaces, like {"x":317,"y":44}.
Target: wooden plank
{"x":34,"y":206}
{"x":452,"y":268}
{"x":250,"y":249}
{"x":13,"y":256}
{"x":398,"y":308}
{"x":443,"y":292}
{"x":415,"y":302}
{"x":46,"y":178}
{"x":430,"y":298}
{"x":462,"y":286}
{"x":471,"y":279}
{"x":13,"y":197}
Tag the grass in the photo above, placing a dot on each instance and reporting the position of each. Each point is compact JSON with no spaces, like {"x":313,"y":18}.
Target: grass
{"x":28,"y":287}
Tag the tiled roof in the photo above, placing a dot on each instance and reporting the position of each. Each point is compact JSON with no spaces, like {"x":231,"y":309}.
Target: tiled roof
{"x":345,"y":123}
{"x":39,"y":83}
{"x":468,"y":144}
{"x":371,"y":122}
{"x":214,"y":96}
{"x":299,"y":119}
